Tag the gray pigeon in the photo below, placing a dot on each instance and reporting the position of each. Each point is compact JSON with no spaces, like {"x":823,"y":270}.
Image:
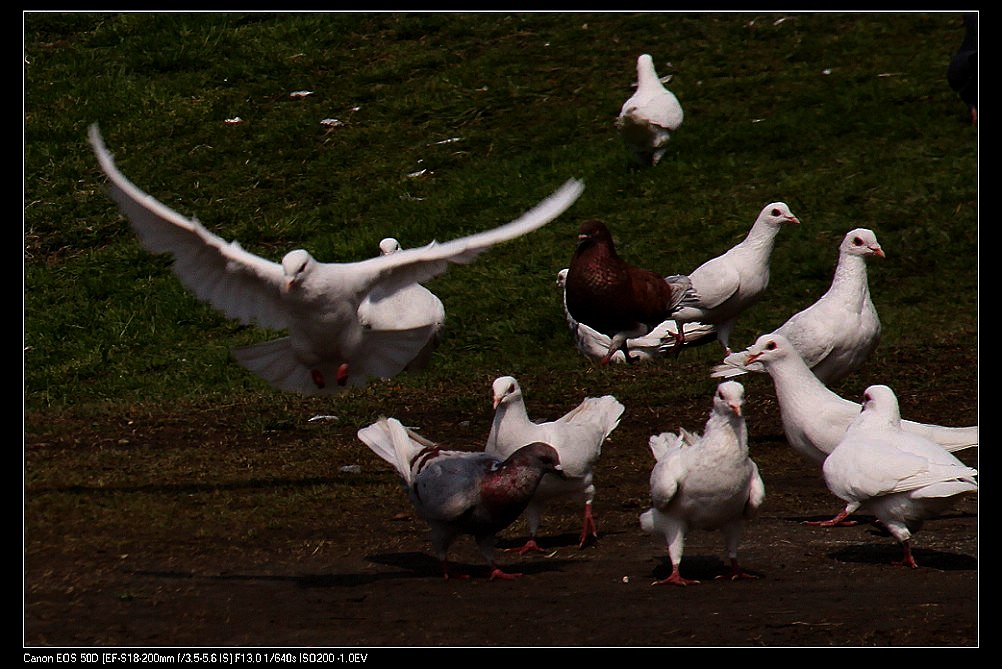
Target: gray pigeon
{"x":460,"y":492}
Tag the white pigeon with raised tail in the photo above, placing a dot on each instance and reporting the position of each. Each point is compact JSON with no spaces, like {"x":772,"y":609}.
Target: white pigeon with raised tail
{"x":649,"y":118}
{"x":705,"y":482}
{"x":815,"y":418}
{"x":727,"y":285}
{"x":462,"y":492}
{"x":657,"y":343}
{"x":577,"y":436}
{"x":836,"y":334}
{"x":328,"y":346}
{"x":902,"y":478}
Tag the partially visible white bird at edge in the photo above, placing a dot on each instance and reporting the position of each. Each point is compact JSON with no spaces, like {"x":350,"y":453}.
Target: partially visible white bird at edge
{"x":658,"y":342}
{"x":462,"y":492}
{"x":836,"y":334}
{"x":705,"y":482}
{"x":727,"y":285}
{"x":815,"y":418}
{"x":577,"y":436}
{"x":328,"y":345}
{"x":902,"y":478}
{"x":650,"y":116}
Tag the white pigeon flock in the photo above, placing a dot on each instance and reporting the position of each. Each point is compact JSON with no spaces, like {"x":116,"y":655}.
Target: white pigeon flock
{"x":462,"y":492}
{"x":657,"y":343}
{"x":650,"y":116}
{"x":902,"y":478}
{"x":836,"y":334}
{"x":328,"y":346}
{"x":705,"y":482}
{"x":408,"y":308}
{"x":815,"y":418}
{"x":725,"y":286}
{"x":577,"y":437}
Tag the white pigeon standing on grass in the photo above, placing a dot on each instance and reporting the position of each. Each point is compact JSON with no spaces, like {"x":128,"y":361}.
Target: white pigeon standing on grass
{"x":328,"y":346}
{"x":658,"y":342}
{"x":705,"y":482}
{"x":461,"y":492}
{"x":836,"y":334}
{"x":727,"y":285}
{"x":650,"y":116}
{"x":815,"y":419}
{"x":577,"y":436}
{"x":406,"y":308}
{"x":900,"y":477}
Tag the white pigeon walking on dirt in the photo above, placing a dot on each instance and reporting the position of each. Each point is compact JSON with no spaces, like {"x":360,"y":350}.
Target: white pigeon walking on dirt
{"x":836,"y":334}
{"x":815,"y":418}
{"x":900,"y":477}
{"x":461,"y":492}
{"x":657,"y":343}
{"x":727,"y":285}
{"x":705,"y":482}
{"x":406,"y":308}
{"x":650,"y":116}
{"x":328,"y":346}
{"x":577,"y":436}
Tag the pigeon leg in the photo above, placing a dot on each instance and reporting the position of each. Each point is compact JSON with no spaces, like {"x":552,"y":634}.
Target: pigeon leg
{"x":342,"y":374}
{"x":318,"y":378}
{"x":737,"y":572}
{"x":839,"y":520}
{"x":907,"y":560}
{"x":675,"y":579}
{"x":530,"y":546}
{"x":589,"y":531}
{"x":496,"y":573}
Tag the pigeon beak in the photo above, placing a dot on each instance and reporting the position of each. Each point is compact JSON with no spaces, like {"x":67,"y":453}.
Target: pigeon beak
{"x":752,"y":357}
{"x":736,"y":409}
{"x":792,"y":219}
{"x":497,"y":401}
{"x":289,"y":285}
{"x":877,"y":251}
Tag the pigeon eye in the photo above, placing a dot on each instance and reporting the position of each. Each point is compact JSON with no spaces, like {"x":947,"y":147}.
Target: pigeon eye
{"x":771,"y":346}
{"x":775,"y":212}
{"x":511,"y":388}
{"x":857,"y":241}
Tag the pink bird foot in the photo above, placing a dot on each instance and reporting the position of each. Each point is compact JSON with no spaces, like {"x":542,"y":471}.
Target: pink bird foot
{"x":907,"y":560}
{"x":497,"y":574}
{"x":737,"y":573}
{"x":342,"y":374}
{"x":318,"y":378}
{"x":530,"y":547}
{"x":589,"y":531}
{"x":676,"y":579}
{"x":839,"y":520}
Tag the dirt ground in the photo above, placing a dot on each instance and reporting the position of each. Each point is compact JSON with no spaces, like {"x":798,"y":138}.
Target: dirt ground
{"x":162,"y":529}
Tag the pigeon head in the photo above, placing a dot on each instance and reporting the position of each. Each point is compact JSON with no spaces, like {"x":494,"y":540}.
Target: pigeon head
{"x":505,"y":389}
{"x":861,"y":242}
{"x":295,"y":265}
{"x":767,"y":348}
{"x":388,"y":246}
{"x":880,"y":408}
{"x":777,"y":213}
{"x":729,"y":398}
{"x":593,"y":232}
{"x":538,"y":456}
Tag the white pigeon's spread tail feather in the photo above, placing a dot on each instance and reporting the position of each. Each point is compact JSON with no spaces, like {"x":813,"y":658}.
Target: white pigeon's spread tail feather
{"x":950,"y":438}
{"x":393,"y":442}
{"x":734,"y":365}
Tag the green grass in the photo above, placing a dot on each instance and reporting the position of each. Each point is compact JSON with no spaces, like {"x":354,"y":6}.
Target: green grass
{"x":846,"y":117}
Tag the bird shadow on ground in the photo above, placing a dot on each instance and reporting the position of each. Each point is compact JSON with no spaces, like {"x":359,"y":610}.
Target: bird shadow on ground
{"x":422,"y":565}
{"x":891,"y":552}
{"x":700,"y":568}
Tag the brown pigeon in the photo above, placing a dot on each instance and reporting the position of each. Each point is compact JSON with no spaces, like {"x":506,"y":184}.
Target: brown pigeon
{"x":615,"y":298}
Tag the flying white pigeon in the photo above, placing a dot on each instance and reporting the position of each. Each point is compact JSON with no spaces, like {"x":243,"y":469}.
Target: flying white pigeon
{"x":815,"y":418}
{"x":727,"y":285}
{"x":658,"y":342}
{"x":328,"y":345}
{"x":836,"y":334}
{"x":900,"y":477}
{"x":706,"y":482}
{"x":461,"y":492}
{"x":650,"y":116}
{"x":577,"y":436}
{"x":406,"y":308}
